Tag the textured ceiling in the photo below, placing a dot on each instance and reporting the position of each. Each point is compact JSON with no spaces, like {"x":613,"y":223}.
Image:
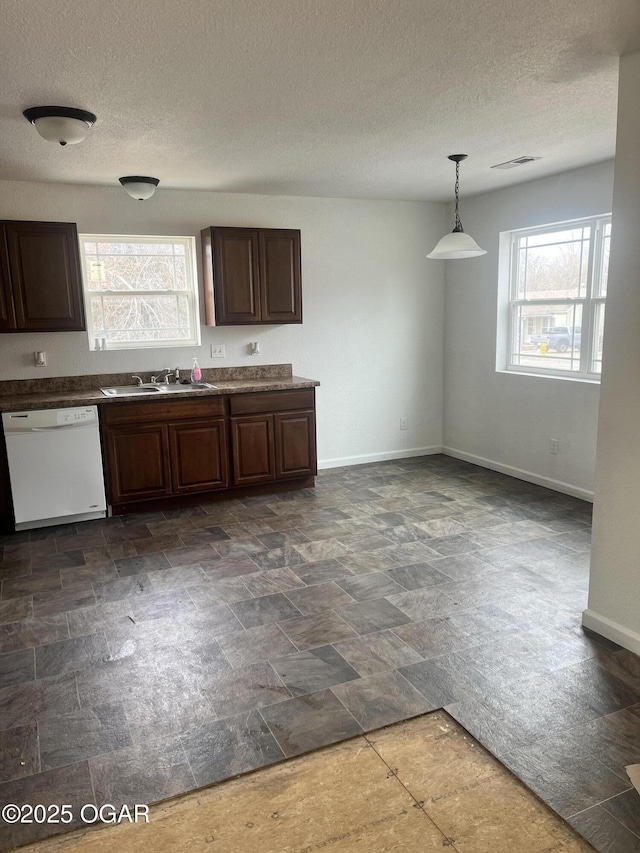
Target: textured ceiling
{"x":314,"y":97}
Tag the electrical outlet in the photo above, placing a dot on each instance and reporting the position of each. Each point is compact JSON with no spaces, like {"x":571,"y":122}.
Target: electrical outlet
{"x":555,"y":446}
{"x":403,"y":423}
{"x":217,"y":351}
{"x":40,"y":359}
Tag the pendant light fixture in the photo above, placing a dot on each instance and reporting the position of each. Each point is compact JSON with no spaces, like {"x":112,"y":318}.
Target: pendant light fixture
{"x":457,"y":244}
{"x":139,"y":187}
{"x":64,"y":125}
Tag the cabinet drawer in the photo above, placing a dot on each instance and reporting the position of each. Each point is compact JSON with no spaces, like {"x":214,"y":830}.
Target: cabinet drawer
{"x":161,"y":411}
{"x":272,"y":401}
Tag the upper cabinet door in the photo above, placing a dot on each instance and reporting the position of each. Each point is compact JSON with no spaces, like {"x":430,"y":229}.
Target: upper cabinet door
{"x":280,"y":276}
{"x":235,"y":276}
{"x":7,"y":314}
{"x":251,"y":276}
{"x":44,"y":267}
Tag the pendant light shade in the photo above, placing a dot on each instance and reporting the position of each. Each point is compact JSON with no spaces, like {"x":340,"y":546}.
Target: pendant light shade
{"x":457,"y":244}
{"x":64,"y":125}
{"x":139,"y":187}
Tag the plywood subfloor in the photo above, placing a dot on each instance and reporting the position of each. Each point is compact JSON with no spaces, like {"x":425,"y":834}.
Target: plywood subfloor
{"x":415,"y":787}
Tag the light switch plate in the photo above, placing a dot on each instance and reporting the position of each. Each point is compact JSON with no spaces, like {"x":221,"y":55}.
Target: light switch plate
{"x":217,"y":351}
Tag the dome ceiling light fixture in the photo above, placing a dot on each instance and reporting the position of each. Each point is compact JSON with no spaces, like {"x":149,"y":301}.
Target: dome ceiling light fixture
{"x":64,"y":125}
{"x":457,"y":244}
{"x":139,"y":187}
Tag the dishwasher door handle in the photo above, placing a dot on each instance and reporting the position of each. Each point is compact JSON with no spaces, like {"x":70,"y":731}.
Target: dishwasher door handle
{"x":53,"y":428}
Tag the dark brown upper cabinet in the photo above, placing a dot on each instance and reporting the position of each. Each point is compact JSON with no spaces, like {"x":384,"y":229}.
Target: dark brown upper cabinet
{"x":40,"y":278}
{"x":7,"y":314}
{"x":251,"y":276}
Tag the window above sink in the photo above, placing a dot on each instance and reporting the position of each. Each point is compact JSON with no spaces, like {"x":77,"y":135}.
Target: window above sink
{"x":140,"y":291}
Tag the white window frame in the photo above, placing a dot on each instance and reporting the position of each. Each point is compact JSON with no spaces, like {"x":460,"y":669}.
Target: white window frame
{"x":191,"y":293}
{"x":588,"y":302}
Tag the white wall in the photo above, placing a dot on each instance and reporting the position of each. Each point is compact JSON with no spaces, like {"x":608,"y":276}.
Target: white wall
{"x":373,"y":306}
{"x":614,"y":590}
{"x":504,"y":420}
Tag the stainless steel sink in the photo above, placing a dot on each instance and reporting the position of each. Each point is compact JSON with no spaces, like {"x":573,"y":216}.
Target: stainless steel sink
{"x":149,"y":388}
{"x":194,"y":386}
{"x":130,"y":390}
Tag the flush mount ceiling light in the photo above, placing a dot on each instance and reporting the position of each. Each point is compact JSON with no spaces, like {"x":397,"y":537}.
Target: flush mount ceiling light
{"x":457,"y":244}
{"x":64,"y":125}
{"x":139,"y":186}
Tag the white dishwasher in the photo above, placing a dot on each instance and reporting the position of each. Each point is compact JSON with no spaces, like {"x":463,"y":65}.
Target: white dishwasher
{"x":55,"y":466}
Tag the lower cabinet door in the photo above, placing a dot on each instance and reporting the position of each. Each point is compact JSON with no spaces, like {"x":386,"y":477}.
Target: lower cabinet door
{"x":252,"y":449}
{"x":137,"y":462}
{"x":295,"y":438}
{"x":198,"y":456}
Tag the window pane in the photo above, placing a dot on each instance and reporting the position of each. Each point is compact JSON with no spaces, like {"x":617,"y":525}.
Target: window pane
{"x":135,"y":272}
{"x":563,"y":235}
{"x":140,"y":318}
{"x":97,"y":317}
{"x":598,"y":335}
{"x":547,"y":336}
{"x":553,"y":265}
{"x":601,"y":288}
{"x":140,"y":312}
{"x":126,"y":247}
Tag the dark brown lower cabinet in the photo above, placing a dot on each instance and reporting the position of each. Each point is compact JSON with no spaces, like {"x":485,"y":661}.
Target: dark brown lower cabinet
{"x":198,"y":456}
{"x":138,"y":463}
{"x":295,"y":440}
{"x":166,"y":448}
{"x":253,"y":450}
{"x":273,"y":447}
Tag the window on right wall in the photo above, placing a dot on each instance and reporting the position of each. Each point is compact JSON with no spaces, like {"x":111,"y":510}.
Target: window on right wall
{"x":557,"y":296}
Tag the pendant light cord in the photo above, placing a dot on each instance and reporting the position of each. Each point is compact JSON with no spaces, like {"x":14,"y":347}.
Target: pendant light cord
{"x":458,"y":224}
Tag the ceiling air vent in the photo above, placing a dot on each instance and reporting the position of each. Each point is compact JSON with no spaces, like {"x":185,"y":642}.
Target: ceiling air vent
{"x":511,"y":164}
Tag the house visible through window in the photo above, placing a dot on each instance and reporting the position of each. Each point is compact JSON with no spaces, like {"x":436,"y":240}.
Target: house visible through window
{"x":558,"y":289}
{"x":140,"y":291}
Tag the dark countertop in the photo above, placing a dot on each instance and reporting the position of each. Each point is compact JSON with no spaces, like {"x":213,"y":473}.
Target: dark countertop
{"x":92,"y":397}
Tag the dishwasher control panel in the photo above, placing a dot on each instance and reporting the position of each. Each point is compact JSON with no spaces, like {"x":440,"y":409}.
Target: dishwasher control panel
{"x":75,"y":416}
{"x":38,"y":420}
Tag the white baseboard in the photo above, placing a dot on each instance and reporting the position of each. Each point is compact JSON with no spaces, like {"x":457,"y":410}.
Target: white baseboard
{"x":624,"y":637}
{"x":378,"y":457}
{"x":520,"y":474}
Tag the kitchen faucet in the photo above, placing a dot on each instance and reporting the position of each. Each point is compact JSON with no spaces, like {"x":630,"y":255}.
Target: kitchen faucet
{"x":159,"y":379}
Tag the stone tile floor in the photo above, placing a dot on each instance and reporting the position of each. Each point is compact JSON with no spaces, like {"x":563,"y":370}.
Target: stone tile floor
{"x":147,"y":655}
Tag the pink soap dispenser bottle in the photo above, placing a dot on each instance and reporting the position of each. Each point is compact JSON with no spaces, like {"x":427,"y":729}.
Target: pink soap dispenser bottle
{"x":196,"y":373}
